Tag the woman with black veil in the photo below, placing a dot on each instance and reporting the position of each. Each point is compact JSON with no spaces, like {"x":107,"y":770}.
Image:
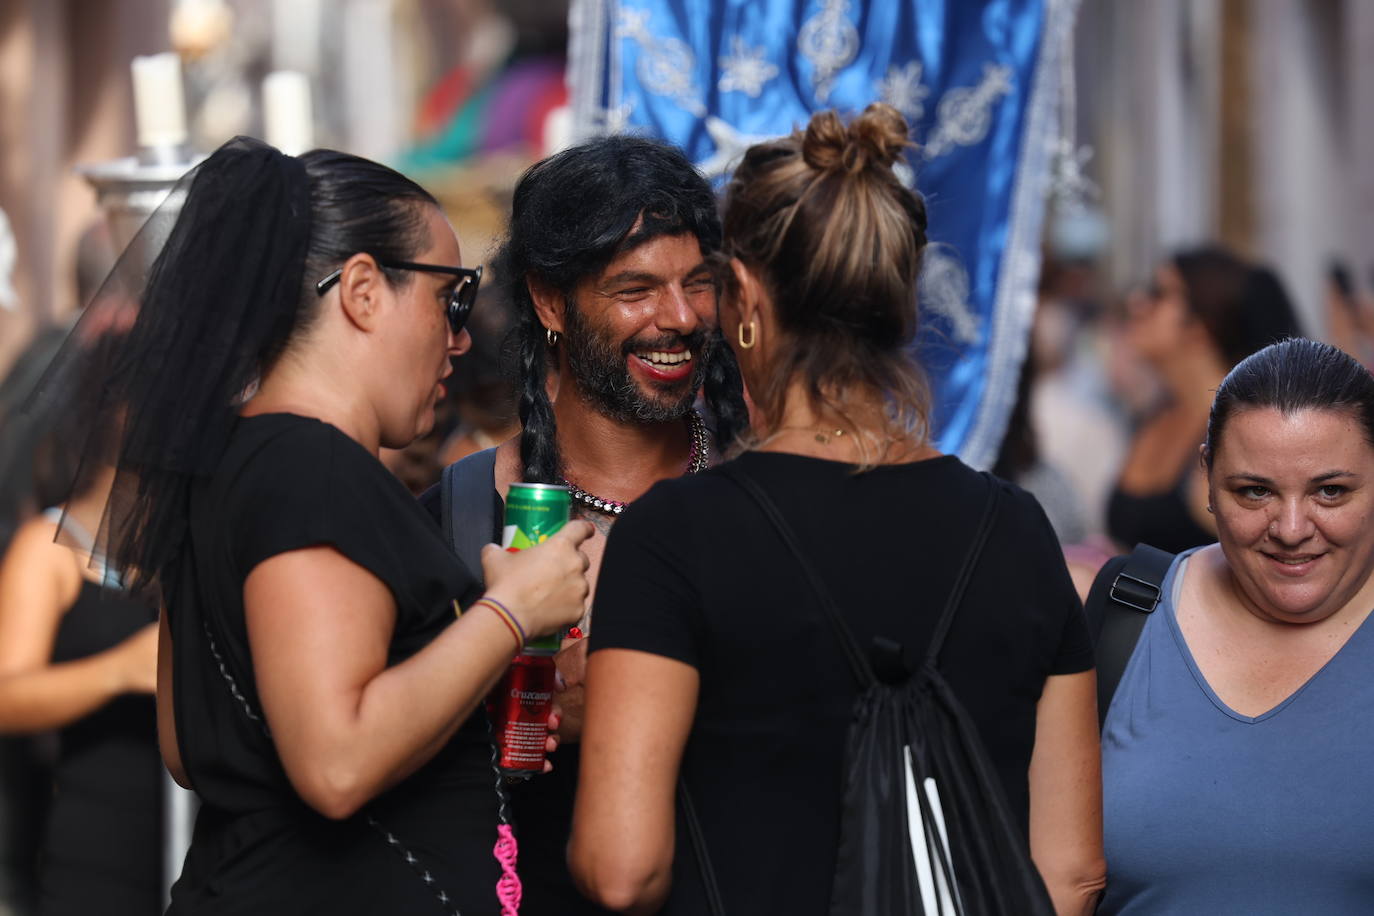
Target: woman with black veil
{"x":316,"y":686}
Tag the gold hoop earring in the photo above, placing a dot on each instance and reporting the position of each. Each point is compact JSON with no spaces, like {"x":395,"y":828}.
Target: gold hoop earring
{"x":753,"y":336}
{"x":551,"y":336}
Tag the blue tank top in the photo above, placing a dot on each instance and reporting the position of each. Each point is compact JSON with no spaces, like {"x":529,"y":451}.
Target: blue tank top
{"x":1209,"y":811}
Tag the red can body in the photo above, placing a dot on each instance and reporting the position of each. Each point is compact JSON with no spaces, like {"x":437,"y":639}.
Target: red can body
{"x":519,"y":709}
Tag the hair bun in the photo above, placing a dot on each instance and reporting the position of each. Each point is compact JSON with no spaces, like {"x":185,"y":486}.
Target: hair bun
{"x":875,"y":138}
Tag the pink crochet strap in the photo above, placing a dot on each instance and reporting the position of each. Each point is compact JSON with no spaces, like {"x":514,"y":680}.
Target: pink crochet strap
{"x":507,"y":851}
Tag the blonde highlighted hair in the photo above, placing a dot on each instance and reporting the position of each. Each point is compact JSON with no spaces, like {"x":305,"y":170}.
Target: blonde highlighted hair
{"x":821,"y":217}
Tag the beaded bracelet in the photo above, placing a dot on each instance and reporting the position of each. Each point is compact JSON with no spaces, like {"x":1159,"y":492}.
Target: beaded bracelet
{"x":507,"y":618}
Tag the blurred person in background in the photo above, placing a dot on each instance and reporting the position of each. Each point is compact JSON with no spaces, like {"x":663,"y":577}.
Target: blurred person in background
{"x":1078,"y":425}
{"x":486,"y":398}
{"x":1348,"y":319}
{"x":713,"y":663}
{"x":1021,"y":462}
{"x":1022,"y":458}
{"x":1236,"y":749}
{"x":1203,"y":311}
{"x":79,"y":656}
{"x":22,"y":492}
{"x":36,"y":468}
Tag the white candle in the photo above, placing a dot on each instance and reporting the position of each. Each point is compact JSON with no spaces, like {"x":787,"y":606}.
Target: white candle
{"x":159,"y":105}
{"x":288,"y":123}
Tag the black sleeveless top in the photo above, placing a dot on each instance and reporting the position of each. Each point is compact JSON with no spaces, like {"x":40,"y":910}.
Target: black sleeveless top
{"x":284,"y":483}
{"x":102,"y":849}
{"x":1159,"y":519}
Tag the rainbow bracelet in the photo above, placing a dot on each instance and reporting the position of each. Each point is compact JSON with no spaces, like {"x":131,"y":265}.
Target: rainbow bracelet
{"x":506,"y":617}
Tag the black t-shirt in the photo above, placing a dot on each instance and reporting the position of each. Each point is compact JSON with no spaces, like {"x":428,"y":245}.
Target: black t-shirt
{"x":693,"y":571}
{"x":283,"y":483}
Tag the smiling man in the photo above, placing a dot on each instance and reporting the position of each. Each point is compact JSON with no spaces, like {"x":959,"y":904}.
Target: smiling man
{"x":609,"y":265}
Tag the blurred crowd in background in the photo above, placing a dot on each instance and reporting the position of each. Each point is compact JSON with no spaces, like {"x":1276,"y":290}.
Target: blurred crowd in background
{"x":1223,"y":183}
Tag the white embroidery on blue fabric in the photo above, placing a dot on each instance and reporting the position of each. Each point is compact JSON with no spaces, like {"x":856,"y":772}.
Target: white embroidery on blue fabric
{"x":964,"y":115}
{"x":745,"y":69}
{"x":943,"y":289}
{"x":632,"y":22}
{"x":730,"y":147}
{"x":665,"y":65}
{"x":1070,"y":185}
{"x":830,"y":42}
{"x":902,"y":89}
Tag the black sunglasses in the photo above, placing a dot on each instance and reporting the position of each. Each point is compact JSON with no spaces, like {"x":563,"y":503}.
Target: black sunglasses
{"x":460,"y":301}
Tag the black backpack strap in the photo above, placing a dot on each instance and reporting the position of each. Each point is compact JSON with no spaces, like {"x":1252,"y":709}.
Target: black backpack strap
{"x":1126,"y":591}
{"x":858,"y":661}
{"x":956,"y":594}
{"x":469,"y":506}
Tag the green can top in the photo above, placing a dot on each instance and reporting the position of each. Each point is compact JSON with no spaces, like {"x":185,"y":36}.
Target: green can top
{"x":558,"y":487}
{"x":534,"y":511}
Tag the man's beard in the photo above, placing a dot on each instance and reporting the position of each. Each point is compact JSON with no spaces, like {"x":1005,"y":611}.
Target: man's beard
{"x":601,"y":372}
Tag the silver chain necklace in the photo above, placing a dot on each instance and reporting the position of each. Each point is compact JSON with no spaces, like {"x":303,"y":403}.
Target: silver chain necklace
{"x":696,"y":463}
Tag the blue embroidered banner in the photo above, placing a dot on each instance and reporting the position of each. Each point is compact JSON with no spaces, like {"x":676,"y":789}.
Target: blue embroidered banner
{"x":977,"y":79}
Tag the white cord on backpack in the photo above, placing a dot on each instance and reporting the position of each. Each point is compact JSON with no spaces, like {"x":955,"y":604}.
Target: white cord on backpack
{"x":934,"y":884}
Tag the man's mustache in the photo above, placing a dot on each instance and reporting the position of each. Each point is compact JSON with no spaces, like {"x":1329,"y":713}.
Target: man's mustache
{"x":694,"y":342}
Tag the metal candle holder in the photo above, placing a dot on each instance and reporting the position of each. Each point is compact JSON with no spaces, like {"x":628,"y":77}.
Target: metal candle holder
{"x":133,"y":194}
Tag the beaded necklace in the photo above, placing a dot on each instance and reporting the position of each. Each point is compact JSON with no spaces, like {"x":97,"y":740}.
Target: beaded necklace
{"x":696,"y":463}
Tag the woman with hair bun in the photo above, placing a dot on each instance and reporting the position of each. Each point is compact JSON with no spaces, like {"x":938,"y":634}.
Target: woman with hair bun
{"x":315,"y":687}
{"x":712,"y":657}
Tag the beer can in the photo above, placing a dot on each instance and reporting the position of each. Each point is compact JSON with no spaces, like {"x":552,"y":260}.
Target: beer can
{"x":519,"y":710}
{"x":534,"y":511}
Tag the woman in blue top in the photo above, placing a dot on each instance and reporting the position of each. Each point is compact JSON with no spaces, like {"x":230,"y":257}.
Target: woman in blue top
{"x":1236,"y":750}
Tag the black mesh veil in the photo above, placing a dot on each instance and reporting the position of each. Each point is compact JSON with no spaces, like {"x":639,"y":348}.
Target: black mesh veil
{"x":149,"y":379}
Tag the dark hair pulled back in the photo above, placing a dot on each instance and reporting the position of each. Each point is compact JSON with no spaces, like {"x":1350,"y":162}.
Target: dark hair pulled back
{"x":230,"y":290}
{"x":1291,"y":376}
{"x":359,"y":205}
{"x":1243,"y":307}
{"x":837,"y":239}
{"x":571,"y":215}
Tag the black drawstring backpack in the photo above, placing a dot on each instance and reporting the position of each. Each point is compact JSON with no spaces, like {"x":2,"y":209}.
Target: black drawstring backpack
{"x":924,"y":827}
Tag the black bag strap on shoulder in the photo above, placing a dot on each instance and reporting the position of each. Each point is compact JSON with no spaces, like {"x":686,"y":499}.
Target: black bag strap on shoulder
{"x":468,"y":506}
{"x":858,"y":659}
{"x":1126,"y":591}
